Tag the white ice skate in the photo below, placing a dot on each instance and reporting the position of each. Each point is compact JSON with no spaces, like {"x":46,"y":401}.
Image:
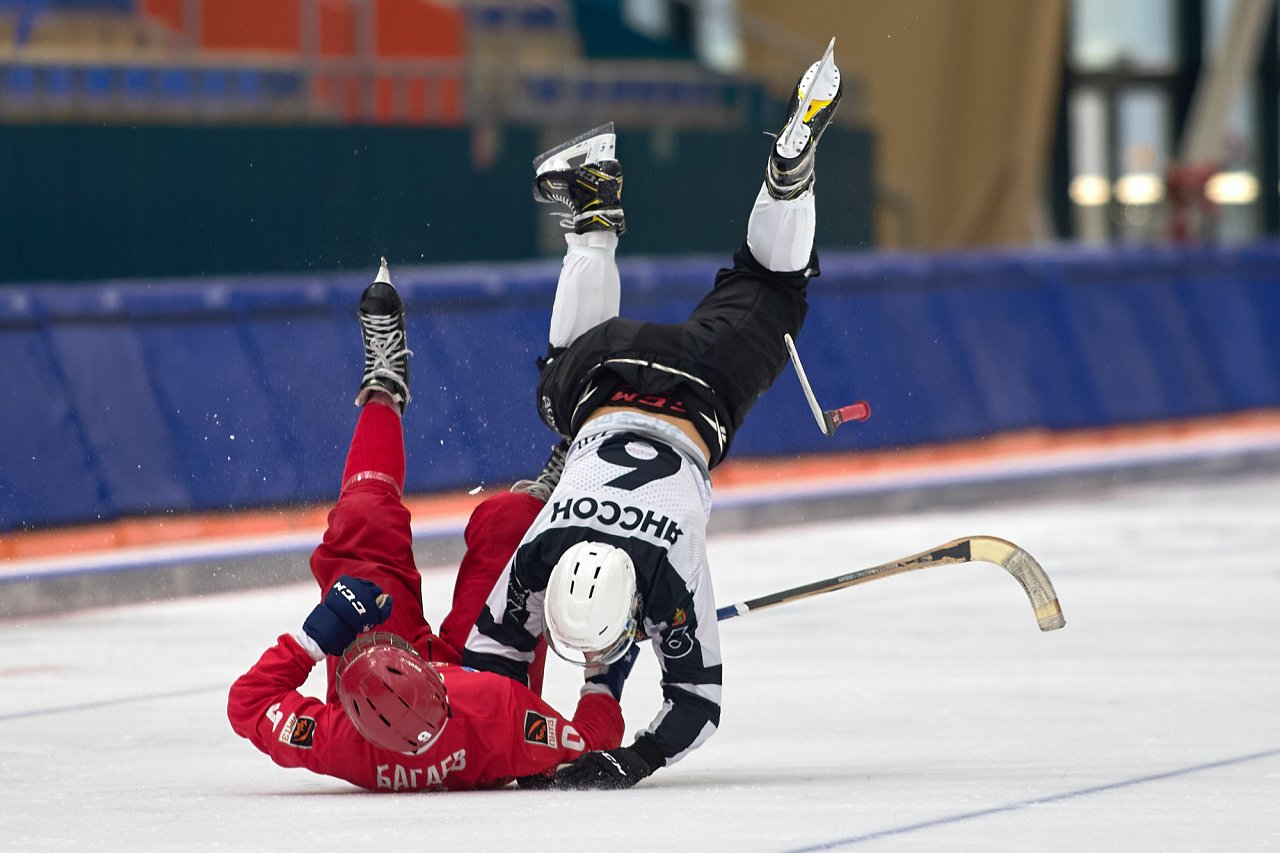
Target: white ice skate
{"x":813,"y":103}
{"x":594,"y":146}
{"x":584,"y":175}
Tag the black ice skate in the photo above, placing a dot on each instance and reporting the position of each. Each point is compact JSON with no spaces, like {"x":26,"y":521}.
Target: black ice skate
{"x":545,"y":483}
{"x":386,"y":354}
{"x":813,"y":103}
{"x":583,"y":175}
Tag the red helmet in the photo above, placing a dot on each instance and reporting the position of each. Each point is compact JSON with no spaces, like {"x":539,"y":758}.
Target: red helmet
{"x":391,"y":695}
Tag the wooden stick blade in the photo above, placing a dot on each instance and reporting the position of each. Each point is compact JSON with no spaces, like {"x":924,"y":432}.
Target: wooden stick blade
{"x":1035,"y":582}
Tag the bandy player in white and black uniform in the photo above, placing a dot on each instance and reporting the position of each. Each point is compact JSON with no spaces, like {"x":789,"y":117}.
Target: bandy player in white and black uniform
{"x":618,"y":553}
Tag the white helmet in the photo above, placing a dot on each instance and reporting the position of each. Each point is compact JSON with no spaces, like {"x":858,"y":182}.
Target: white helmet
{"x":590,"y":605}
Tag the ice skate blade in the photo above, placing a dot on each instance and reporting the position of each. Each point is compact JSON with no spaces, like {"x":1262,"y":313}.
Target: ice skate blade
{"x":786,"y":137}
{"x":599,"y":143}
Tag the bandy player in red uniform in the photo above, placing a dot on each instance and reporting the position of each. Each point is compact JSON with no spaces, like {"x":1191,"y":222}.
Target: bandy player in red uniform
{"x":400,"y":713}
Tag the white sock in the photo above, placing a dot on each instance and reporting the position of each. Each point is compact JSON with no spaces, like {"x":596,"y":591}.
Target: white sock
{"x":589,"y":290}
{"x":780,"y":233}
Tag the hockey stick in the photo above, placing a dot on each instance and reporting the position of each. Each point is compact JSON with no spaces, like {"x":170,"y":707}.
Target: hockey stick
{"x":828,"y":419}
{"x":985,"y":549}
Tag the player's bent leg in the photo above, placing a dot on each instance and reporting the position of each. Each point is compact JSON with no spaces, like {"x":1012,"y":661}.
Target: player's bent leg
{"x":369,"y":526}
{"x":377,"y":447}
{"x":738,"y":328}
{"x":780,"y":230}
{"x":368,"y":537}
{"x":735,"y":333}
{"x":584,"y":176}
{"x":492,"y":535}
{"x":369,"y":523}
{"x":368,"y":534}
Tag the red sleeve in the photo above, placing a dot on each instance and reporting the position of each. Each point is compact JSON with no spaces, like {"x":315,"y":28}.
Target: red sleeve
{"x":510,"y":731}
{"x":265,"y":707}
{"x":299,"y":731}
{"x":599,"y":718}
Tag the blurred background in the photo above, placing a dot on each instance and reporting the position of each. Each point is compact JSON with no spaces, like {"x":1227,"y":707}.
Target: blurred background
{"x":1037,"y":217}
{"x":991,"y":122}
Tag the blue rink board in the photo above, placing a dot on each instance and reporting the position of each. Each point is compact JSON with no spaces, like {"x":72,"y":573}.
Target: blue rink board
{"x":132,"y":398}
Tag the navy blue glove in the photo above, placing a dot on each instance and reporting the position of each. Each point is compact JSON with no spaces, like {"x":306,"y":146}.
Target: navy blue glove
{"x":350,"y":607}
{"x":615,"y":674}
{"x":611,"y":769}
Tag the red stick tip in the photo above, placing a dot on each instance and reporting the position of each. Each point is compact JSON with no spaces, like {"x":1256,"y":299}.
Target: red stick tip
{"x":858,"y":411}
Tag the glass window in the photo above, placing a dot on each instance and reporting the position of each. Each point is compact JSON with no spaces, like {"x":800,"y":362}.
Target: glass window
{"x":1217,"y":19}
{"x":651,"y":17}
{"x":1106,"y":33}
{"x":1143,"y":132}
{"x":716,"y":35}
{"x":1234,"y":188}
{"x":1090,"y":187}
{"x":1088,"y":133}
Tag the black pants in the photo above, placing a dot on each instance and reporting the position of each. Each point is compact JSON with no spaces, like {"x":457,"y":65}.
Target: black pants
{"x":716,"y":364}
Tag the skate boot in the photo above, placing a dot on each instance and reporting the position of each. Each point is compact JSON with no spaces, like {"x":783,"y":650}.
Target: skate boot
{"x":583,"y":175}
{"x":545,"y":483}
{"x":386,"y":355}
{"x":813,"y":103}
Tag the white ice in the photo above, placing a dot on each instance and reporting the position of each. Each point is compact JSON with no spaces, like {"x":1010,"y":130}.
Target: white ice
{"x":919,"y":712}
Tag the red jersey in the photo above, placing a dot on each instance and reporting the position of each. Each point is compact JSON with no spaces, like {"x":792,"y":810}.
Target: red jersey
{"x":498,"y":729}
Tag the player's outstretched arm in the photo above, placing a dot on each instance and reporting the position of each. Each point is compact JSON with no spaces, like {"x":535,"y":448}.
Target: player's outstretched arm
{"x":608,"y":765}
{"x":266,"y":698}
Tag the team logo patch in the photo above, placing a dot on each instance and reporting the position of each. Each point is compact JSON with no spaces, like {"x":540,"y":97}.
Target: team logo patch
{"x":298,"y":731}
{"x":679,"y":618}
{"x":539,"y":729}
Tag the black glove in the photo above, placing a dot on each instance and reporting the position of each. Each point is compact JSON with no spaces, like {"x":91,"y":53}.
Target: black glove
{"x":615,"y":674}
{"x":350,"y":607}
{"x":538,"y":782}
{"x":612,"y":769}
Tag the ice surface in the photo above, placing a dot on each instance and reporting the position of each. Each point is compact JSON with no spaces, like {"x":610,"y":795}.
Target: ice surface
{"x":921,"y":712}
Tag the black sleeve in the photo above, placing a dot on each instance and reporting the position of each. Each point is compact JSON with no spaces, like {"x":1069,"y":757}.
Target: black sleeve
{"x":503,"y":626}
{"x":687,"y":641}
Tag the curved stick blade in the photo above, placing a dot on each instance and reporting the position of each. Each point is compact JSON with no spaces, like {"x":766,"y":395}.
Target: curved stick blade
{"x":1035,"y":582}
